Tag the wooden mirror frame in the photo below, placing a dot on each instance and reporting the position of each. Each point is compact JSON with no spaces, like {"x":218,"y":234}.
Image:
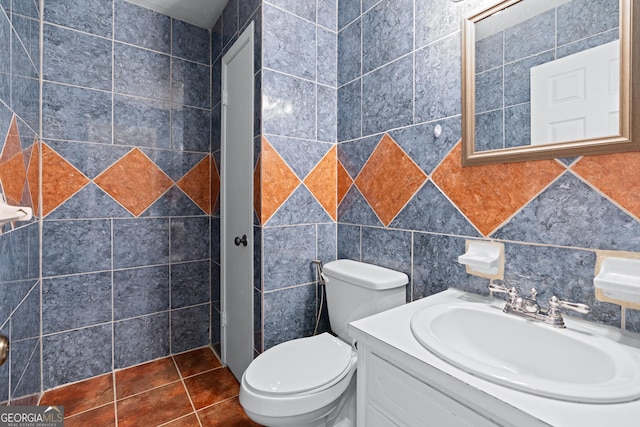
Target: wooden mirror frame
{"x":629,"y":135}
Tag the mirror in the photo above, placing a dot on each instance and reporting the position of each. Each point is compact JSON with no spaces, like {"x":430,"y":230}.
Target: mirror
{"x":545,"y":79}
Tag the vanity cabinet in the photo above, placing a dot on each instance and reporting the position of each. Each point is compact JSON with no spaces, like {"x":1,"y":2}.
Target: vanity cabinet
{"x":390,"y":396}
{"x":401,"y":383}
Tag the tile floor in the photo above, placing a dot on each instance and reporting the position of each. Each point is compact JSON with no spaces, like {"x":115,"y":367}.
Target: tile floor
{"x":186,"y":390}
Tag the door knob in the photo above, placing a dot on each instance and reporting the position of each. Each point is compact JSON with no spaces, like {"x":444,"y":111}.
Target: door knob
{"x":4,"y":348}
{"x":242,"y":240}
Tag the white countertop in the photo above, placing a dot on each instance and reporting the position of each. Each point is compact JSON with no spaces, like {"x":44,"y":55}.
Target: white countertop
{"x":393,"y":328}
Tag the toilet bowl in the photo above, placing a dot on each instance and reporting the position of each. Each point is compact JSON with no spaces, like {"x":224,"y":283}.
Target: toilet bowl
{"x":311,"y":382}
{"x":302,"y":382}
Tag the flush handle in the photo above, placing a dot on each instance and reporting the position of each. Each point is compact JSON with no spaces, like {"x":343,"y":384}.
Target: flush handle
{"x":242,"y":240}
{"x":4,"y":348}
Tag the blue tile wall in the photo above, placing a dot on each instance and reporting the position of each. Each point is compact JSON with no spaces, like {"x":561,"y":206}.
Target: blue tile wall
{"x":20,"y":284}
{"x":141,"y":122}
{"x":91,"y":16}
{"x":150,"y":335}
{"x":75,"y":301}
{"x":75,"y":113}
{"x":300,"y":74}
{"x":393,"y":18}
{"x":140,"y":291}
{"x":25,"y":367}
{"x":129,"y":21}
{"x":89,"y":351}
{"x":551,"y":242}
{"x":190,"y":42}
{"x":387,"y":97}
{"x":114,"y":286}
{"x":190,"y":328}
{"x":140,"y":72}
{"x":294,"y":51}
{"x":437,"y":80}
{"x":75,"y":58}
{"x":289,"y":314}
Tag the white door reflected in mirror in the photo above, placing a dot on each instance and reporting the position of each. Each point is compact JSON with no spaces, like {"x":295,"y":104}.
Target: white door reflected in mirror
{"x":569,"y":101}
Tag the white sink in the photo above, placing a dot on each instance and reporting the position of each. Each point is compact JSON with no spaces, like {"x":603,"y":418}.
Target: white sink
{"x":573,"y":364}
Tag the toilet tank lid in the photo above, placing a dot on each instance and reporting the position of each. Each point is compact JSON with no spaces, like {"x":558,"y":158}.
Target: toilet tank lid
{"x":365,"y":275}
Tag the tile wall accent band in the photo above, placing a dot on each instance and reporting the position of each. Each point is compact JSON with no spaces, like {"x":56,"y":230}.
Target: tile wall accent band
{"x":489,"y":195}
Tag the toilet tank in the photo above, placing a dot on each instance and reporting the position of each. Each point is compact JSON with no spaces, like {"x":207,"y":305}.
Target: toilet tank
{"x":356,"y":290}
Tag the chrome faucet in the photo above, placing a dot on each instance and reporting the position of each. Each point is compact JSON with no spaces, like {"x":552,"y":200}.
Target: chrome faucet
{"x":528,"y":307}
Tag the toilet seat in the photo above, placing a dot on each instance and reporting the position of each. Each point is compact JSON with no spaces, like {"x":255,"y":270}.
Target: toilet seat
{"x":301,"y":366}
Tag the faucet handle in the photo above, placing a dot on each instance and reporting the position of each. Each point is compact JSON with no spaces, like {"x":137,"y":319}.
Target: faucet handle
{"x":513,"y":292}
{"x":555,"y":304}
{"x":498,"y":289}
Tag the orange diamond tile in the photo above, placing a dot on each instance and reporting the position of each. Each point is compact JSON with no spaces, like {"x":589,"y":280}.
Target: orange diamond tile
{"x":60,"y":180}
{"x":616,"y":175}
{"x":488,"y":195}
{"x":13,"y":173}
{"x":196,"y":183}
{"x":257,"y":190}
{"x":215,"y":185}
{"x":389,"y":179}
{"x":278,"y":181}
{"x":344,"y":182}
{"x":33,"y":175}
{"x":322,"y":181}
{"x":134,"y":181}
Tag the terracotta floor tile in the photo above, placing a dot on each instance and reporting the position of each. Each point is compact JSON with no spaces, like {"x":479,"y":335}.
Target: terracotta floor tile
{"x":26,"y":401}
{"x":154,"y":407}
{"x":212,"y":387}
{"x":145,"y":377}
{"x":225,"y":414}
{"x":104,"y":416}
{"x":188,"y":421}
{"x":82,"y":396}
{"x":196,"y":361}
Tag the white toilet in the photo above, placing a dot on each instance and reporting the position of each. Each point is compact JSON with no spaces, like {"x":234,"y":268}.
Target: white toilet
{"x":310,"y":381}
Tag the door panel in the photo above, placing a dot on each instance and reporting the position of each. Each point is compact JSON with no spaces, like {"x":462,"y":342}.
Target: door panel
{"x":237,"y":204}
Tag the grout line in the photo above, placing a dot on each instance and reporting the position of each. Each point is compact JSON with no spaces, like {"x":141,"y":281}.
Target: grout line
{"x":111,"y":223}
{"x":91,"y":409}
{"x":145,"y":391}
{"x":219,"y":402}
{"x":184,"y":385}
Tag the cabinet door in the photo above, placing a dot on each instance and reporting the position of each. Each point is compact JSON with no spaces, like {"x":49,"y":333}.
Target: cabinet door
{"x":392,"y":395}
{"x":375,"y":418}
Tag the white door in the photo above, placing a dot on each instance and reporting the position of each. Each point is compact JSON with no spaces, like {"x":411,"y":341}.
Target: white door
{"x":576,"y":97}
{"x":237,"y":204}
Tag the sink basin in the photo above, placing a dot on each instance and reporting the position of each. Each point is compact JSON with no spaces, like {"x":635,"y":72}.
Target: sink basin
{"x":575,"y":365}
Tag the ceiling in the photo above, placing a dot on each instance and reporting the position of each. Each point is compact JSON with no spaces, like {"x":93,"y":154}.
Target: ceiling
{"x":203,"y":13}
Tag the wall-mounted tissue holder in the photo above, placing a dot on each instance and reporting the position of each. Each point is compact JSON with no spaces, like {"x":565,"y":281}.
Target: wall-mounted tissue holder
{"x":484,"y":259}
{"x":619,"y":281}
{"x":13,"y":213}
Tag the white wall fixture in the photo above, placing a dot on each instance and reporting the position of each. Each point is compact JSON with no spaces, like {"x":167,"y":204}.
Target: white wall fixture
{"x":485,"y":259}
{"x":617,"y":281}
{"x":13,"y":213}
